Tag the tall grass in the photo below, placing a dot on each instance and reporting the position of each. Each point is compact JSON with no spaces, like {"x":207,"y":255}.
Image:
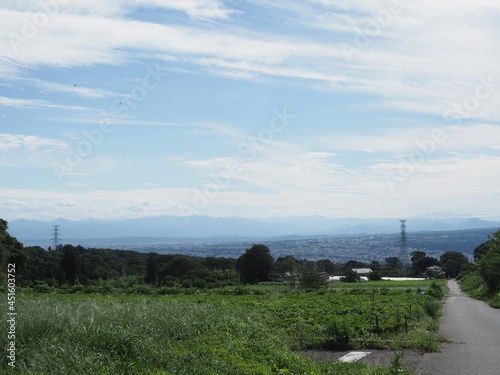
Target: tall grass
{"x":78,"y":334}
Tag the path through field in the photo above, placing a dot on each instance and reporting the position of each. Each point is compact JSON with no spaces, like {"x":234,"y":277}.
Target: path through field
{"x":474,"y":329}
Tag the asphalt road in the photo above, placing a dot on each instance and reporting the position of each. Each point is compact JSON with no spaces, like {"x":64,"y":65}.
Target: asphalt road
{"x":474,"y":329}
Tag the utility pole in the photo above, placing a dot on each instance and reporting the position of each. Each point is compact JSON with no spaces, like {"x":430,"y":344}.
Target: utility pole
{"x":55,"y":236}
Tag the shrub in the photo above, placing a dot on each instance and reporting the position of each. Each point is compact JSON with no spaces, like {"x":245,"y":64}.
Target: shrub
{"x":432,"y":307}
{"x":350,"y":276}
{"x":374,"y":276}
{"x":41,"y":287}
{"x":339,"y":334}
{"x":435,"y":290}
{"x":495,"y":302}
{"x":105,"y":289}
{"x":140,"y":289}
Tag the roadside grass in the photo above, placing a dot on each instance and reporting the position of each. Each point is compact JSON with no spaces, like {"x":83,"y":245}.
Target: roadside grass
{"x":251,"y":330}
{"x":473,"y":284}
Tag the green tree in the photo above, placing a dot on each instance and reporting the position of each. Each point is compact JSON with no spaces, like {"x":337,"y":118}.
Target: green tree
{"x":70,"y":263}
{"x":151,"y":269}
{"x":311,"y":277}
{"x":353,"y":264}
{"x":489,"y":264}
{"x":417,"y":256}
{"x":420,"y":261}
{"x":350,"y":276}
{"x":453,"y":262}
{"x":481,"y":250}
{"x":287,"y":264}
{"x":326,"y":265}
{"x":11,"y":250}
{"x":255,"y":265}
{"x":393,"y":262}
{"x":374,"y":276}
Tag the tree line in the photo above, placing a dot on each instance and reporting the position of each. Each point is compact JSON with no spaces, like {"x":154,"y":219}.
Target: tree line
{"x":75,"y":265}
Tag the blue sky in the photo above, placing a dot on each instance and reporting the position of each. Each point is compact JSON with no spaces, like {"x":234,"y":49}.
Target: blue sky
{"x":123,"y":109}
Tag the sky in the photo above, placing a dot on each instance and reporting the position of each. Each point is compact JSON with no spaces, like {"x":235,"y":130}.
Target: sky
{"x":261,"y":108}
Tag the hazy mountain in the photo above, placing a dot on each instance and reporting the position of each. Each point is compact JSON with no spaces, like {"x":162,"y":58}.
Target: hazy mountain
{"x":234,"y":227}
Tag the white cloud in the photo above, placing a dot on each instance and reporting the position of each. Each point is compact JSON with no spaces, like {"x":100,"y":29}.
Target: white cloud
{"x":197,"y":9}
{"x":20,"y":103}
{"x":405,"y":140}
{"x":29,"y":142}
{"x":401,"y":65}
{"x":427,"y":59}
{"x":69,"y":87}
{"x":303,"y":184}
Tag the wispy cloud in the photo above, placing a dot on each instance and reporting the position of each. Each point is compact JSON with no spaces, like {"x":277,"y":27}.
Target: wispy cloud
{"x":20,"y":103}
{"x":197,"y":9}
{"x":406,"y":52}
{"x":69,"y":87}
{"x":29,"y":142}
{"x":403,"y":140}
{"x":427,"y":60}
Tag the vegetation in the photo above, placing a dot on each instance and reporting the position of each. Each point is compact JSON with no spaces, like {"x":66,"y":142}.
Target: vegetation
{"x":123,"y":312}
{"x":482,"y":280}
{"x":350,"y":276}
{"x":11,"y":250}
{"x":256,"y":264}
{"x":310,"y":277}
{"x":231,"y":330}
{"x":420,"y":262}
{"x":453,"y":263}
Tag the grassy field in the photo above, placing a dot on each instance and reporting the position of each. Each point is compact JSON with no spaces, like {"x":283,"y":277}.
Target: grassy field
{"x":234,"y":330}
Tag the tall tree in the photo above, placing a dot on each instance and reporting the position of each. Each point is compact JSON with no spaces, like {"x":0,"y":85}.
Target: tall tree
{"x":151,"y":269}
{"x":420,"y":261}
{"x":326,"y":265}
{"x":393,"y":262}
{"x":350,"y":276}
{"x":481,"y":250}
{"x":70,"y":263}
{"x":255,"y":265}
{"x":489,"y":264}
{"x":311,"y":277}
{"x":11,"y":250}
{"x":453,"y":262}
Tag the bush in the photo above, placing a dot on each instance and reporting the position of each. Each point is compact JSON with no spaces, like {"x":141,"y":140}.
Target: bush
{"x":495,"y":302}
{"x":41,"y":287}
{"x":432,"y":307}
{"x":141,"y":289}
{"x":374,"y":276}
{"x":339,"y":334}
{"x":435,"y":291}
{"x":489,"y":268}
{"x":105,"y":289}
{"x":350,"y":276}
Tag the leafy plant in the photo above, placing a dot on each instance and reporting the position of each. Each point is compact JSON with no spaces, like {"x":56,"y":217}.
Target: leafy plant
{"x":339,"y":334}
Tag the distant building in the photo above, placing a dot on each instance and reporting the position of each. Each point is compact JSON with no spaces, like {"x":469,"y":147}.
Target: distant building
{"x":435,"y":270}
{"x":362,"y":271}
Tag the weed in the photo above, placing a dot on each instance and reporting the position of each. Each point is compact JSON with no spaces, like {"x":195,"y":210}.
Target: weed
{"x":432,"y":307}
{"x":339,"y":334}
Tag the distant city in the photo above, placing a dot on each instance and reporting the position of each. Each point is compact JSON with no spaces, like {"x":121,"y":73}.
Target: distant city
{"x":340,"y":248}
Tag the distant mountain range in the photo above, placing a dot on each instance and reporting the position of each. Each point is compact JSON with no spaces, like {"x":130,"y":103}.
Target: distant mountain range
{"x":205,"y":227}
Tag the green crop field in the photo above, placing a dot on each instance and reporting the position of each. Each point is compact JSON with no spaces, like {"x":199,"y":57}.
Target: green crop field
{"x":234,"y":330}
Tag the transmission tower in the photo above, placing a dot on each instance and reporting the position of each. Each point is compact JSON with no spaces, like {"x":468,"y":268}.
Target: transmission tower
{"x":403,"y":245}
{"x":55,"y":236}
